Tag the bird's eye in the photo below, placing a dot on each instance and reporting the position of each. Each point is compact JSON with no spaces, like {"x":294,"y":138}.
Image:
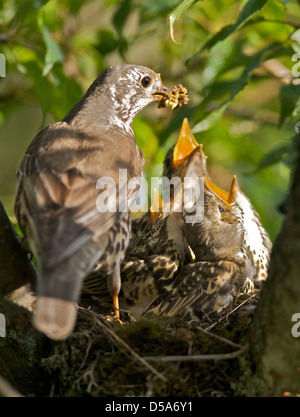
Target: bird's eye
{"x":221,"y":209}
{"x":146,"y":81}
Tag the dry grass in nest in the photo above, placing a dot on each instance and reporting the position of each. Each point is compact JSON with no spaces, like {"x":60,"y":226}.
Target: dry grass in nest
{"x":152,"y":356}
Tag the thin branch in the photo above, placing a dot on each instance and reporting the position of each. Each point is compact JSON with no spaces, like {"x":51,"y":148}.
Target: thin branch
{"x":5,"y":37}
{"x":16,"y":267}
{"x":284,"y":22}
{"x":230,"y":312}
{"x":222,"y":339}
{"x":281,"y":72}
{"x":208,"y":357}
{"x":246,"y":112}
{"x":128,"y":348}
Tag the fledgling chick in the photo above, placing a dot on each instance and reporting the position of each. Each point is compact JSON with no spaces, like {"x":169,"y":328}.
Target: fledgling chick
{"x":230,"y":246}
{"x":219,"y":273}
{"x":256,"y":243}
{"x":186,"y":160}
{"x":158,"y":252}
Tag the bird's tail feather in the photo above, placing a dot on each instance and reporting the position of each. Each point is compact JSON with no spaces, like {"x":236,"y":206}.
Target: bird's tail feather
{"x":55,"y":317}
{"x":58,"y":291}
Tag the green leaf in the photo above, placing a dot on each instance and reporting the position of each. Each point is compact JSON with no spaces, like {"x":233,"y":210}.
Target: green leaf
{"x":26,"y":9}
{"x":289,"y":96}
{"x":276,"y":155}
{"x":41,"y":85}
{"x":145,"y":137}
{"x":119,"y":19}
{"x":53,"y":51}
{"x":210,"y":120}
{"x":17,"y":228}
{"x":176,"y":14}
{"x":106,"y":42}
{"x":157,"y":6}
{"x":254,"y":63}
{"x":155,"y":10}
{"x":215,"y":116}
{"x":121,"y":15}
{"x":66,"y":93}
{"x":252,"y":7}
{"x":56,"y":97}
{"x":75,"y":5}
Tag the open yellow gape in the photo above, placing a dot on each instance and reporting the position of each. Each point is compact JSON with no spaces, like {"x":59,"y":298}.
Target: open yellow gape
{"x":228,"y":198}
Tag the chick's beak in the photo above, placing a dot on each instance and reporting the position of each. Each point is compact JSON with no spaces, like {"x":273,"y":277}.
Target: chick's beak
{"x":234,"y":188}
{"x":156,"y":206}
{"x":228,"y":198}
{"x":186,"y":143}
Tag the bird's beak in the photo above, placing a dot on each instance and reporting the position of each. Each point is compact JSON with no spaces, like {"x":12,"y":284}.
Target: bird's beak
{"x":166,"y":97}
{"x":156,"y":206}
{"x":228,"y":198}
{"x":234,"y":188}
{"x":188,"y":154}
{"x":186,"y":143}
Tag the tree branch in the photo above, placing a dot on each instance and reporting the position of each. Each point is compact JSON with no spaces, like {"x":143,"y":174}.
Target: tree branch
{"x":209,"y":357}
{"x":16,"y":267}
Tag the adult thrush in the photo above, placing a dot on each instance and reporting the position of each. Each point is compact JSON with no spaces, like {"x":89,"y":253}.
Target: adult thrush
{"x":58,"y":190}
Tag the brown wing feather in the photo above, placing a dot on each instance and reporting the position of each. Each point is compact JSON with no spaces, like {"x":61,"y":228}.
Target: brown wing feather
{"x":57,"y":187}
{"x":204,"y":284}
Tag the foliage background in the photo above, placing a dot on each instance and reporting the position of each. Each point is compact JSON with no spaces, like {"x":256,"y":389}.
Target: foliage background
{"x":235,"y":58}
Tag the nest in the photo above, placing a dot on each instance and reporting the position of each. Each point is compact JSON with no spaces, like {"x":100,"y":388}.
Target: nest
{"x":152,"y":356}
